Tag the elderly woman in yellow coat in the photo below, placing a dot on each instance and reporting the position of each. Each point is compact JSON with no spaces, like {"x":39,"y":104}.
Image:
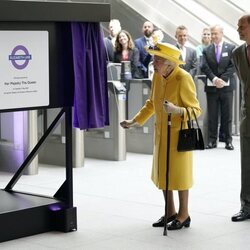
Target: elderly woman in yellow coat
{"x":173,"y":90}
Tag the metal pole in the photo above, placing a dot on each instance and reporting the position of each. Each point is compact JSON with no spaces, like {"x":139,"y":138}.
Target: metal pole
{"x":68,"y":153}
{"x":167,"y":174}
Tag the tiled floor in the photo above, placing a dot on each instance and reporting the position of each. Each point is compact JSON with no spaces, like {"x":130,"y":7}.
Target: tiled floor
{"x":117,"y":203}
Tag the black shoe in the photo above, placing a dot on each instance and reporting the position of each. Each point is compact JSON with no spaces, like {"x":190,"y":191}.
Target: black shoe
{"x":160,"y":222}
{"x":211,"y":145}
{"x":176,"y":224}
{"x":229,"y":146}
{"x":242,"y":215}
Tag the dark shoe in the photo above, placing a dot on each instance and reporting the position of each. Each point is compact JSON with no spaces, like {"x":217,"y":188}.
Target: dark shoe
{"x":242,"y":215}
{"x":211,"y":145}
{"x":160,"y":222}
{"x":176,"y":224}
{"x":229,"y":146}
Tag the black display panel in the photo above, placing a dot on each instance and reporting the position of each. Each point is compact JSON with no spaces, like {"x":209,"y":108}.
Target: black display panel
{"x":55,"y":18}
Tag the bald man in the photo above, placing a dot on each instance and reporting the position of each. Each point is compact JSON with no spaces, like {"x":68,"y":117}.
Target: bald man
{"x":241,"y":58}
{"x":141,"y":43}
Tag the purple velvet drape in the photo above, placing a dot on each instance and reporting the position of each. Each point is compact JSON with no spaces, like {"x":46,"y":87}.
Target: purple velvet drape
{"x":91,"y":92}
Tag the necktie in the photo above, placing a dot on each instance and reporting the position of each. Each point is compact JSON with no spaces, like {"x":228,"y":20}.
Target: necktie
{"x":217,"y":53}
{"x":248,"y":54}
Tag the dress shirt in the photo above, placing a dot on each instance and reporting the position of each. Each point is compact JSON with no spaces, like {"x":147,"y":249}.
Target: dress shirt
{"x":147,"y":41}
{"x":183,"y":52}
{"x":217,"y":55}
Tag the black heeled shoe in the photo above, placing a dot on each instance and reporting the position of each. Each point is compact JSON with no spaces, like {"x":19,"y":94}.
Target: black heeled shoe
{"x":176,"y":224}
{"x":160,"y":222}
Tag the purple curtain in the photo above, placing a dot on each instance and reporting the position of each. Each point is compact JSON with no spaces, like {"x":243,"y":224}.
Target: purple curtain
{"x":91,"y":92}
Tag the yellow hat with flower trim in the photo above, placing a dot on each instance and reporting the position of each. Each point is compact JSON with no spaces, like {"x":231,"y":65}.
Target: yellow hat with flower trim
{"x":167,"y":51}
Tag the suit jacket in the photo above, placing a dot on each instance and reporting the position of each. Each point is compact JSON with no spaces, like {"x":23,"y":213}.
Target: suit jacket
{"x":243,"y":72}
{"x":109,"y":49}
{"x":133,"y":57}
{"x":145,"y":57}
{"x":224,"y":69}
{"x":190,"y":60}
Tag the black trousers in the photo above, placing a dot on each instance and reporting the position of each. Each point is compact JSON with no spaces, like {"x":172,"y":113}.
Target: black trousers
{"x":245,"y":172}
{"x":222,"y":101}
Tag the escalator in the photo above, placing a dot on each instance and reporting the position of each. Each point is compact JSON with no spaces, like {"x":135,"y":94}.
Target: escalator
{"x":195,"y":15}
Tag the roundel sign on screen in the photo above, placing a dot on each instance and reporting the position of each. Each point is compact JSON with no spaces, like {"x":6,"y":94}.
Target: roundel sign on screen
{"x":20,"y":57}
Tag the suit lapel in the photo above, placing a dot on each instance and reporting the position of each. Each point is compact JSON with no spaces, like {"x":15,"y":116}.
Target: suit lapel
{"x":244,"y":71}
{"x":244,"y":52}
{"x":224,"y":50}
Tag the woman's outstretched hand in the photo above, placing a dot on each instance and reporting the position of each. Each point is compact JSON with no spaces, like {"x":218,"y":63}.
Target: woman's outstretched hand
{"x":127,"y":123}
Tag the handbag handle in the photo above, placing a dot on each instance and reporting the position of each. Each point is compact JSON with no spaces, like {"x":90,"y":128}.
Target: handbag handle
{"x":195,"y":118}
{"x":189,"y":121}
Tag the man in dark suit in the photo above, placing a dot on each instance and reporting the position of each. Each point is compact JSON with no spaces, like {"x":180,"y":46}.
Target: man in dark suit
{"x":188,"y":54}
{"x":241,"y":58}
{"x":143,"y":42}
{"x":217,"y":65}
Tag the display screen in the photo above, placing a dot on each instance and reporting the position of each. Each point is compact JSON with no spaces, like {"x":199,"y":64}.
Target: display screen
{"x":24,"y":66}
{"x":36,"y":65}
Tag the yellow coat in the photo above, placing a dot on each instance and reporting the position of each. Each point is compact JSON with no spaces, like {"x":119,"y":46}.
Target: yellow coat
{"x":179,"y":89}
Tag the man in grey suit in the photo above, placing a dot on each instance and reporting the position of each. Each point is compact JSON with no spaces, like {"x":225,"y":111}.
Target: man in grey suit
{"x":241,"y":58}
{"x":114,"y":29}
{"x":188,"y":54}
{"x":218,"y":66}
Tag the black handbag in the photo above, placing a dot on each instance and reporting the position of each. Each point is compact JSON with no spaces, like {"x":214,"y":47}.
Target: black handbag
{"x":190,"y":138}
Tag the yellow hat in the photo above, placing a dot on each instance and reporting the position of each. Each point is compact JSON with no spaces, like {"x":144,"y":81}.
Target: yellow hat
{"x":167,"y":51}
